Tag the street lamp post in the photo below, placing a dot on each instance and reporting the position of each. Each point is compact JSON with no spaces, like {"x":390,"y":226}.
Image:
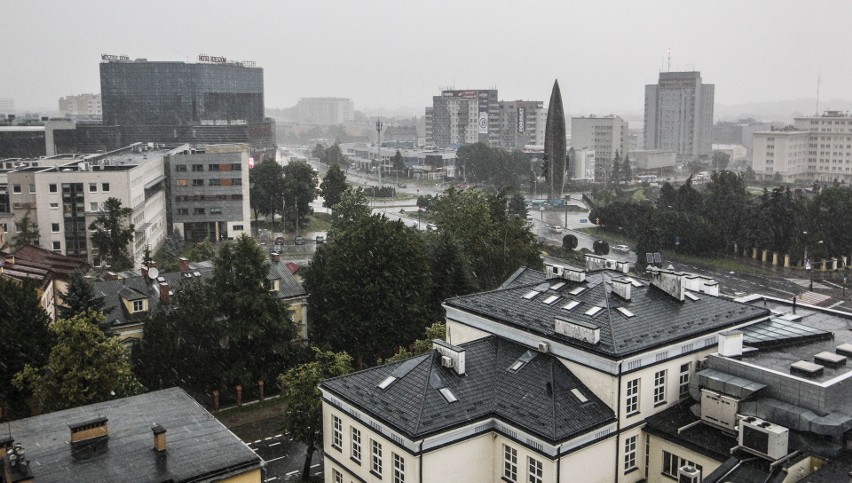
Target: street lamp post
{"x":379,"y":150}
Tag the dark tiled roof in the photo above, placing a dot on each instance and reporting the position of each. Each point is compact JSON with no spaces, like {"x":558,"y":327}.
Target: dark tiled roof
{"x":289,"y":286}
{"x":659,"y":318}
{"x":701,"y":438}
{"x":536,"y":398}
{"x":197,"y":445}
{"x":61,"y":265}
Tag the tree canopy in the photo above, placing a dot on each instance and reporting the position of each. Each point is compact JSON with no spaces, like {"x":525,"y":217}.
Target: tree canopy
{"x":113,"y":233}
{"x":28,"y":233}
{"x":300,"y":189}
{"x":267,"y":188}
{"x":333,"y":185}
{"x":80,"y":297}
{"x":84,"y":367}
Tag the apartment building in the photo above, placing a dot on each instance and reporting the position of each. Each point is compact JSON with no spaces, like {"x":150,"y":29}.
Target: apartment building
{"x":81,"y":105}
{"x":325,"y":111}
{"x":520,"y":124}
{"x":814,"y":148}
{"x":463,"y":117}
{"x":605,"y":135}
{"x":679,"y":115}
{"x":551,"y":377}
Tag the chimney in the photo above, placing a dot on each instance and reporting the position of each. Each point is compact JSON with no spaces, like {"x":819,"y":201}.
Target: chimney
{"x":731,"y":343}
{"x":184,"y":265}
{"x":669,"y":281}
{"x":111,"y":276}
{"x":91,"y":429}
{"x":165,"y":297}
{"x":145,"y":272}
{"x":621,"y":287}
{"x":159,"y":438}
{"x":275,"y":257}
{"x":452,"y":356}
{"x":16,"y":466}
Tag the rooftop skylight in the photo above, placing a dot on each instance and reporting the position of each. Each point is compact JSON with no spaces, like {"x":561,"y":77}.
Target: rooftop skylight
{"x":530,"y":295}
{"x":626,"y":312}
{"x":594,"y":311}
{"x":387,"y":382}
{"x":551,"y":299}
{"x":571,"y":305}
{"x":557,"y":286}
{"x":577,"y":290}
{"x":579,"y":395}
{"x":448,"y":395}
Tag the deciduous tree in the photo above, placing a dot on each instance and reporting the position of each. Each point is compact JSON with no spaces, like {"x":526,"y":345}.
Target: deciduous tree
{"x":267,"y":188}
{"x":333,"y":185}
{"x":28,"y":233}
{"x":300,"y":189}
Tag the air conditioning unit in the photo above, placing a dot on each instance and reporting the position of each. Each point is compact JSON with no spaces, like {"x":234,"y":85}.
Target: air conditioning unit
{"x":719,"y":409}
{"x":763,"y":438}
{"x":543,"y":347}
{"x":447,"y":361}
{"x":688,"y":474}
{"x":701,"y":364}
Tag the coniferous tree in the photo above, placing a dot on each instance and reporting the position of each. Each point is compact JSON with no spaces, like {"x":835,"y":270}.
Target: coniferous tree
{"x":626,"y":169}
{"x":615,"y":175}
{"x":80,"y":297}
{"x":333,"y":185}
{"x":112,"y":234}
{"x":28,"y":233}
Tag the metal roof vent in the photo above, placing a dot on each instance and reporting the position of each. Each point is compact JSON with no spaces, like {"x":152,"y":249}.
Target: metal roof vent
{"x":844,"y":349}
{"x":830,"y":359}
{"x":806,"y":369}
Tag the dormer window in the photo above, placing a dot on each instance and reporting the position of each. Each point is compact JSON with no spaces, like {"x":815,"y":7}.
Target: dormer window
{"x":138,"y":306}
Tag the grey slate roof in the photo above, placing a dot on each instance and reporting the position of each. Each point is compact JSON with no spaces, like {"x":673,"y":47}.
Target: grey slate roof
{"x":289,"y":286}
{"x":536,"y":398}
{"x":198,"y":446}
{"x":659,"y":319}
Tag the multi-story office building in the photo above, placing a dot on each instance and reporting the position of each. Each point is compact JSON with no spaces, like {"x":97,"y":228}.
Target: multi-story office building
{"x":679,"y":115}
{"x":213,"y":101}
{"x":208,"y":191}
{"x":325,"y":111}
{"x":652,"y":159}
{"x":605,"y":136}
{"x":813,"y":148}
{"x":519,"y":124}
{"x":464,"y":117}
{"x":62,"y":200}
{"x":581,"y":164}
{"x":81,"y":105}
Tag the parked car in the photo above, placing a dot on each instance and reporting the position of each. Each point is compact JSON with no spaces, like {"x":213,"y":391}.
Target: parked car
{"x":556,"y":229}
{"x":431,"y":227}
{"x":621,"y":249}
{"x":320,"y":239}
{"x":300,"y":240}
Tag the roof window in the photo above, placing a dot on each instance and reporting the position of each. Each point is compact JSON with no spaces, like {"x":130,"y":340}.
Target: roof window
{"x":594,"y":311}
{"x":448,"y":395}
{"x":571,"y":305}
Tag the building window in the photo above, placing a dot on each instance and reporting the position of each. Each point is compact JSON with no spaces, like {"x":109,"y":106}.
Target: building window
{"x":183,"y":211}
{"x":684,"y":381}
{"x":53,"y":188}
{"x":32,"y":188}
{"x":180,"y":168}
{"x":16,"y":188}
{"x":236,"y":167}
{"x":182,"y":182}
{"x":356,"y":445}
{"x":237,"y":181}
{"x":631,"y":405}
{"x":660,"y":387}
{"x":137,"y":306}
{"x":215,"y":182}
{"x":198,"y":182}
{"x":536,"y":471}
{"x":398,"y":469}
{"x":376,"y":457}
{"x":54,"y":206}
{"x":93,"y":206}
{"x":215,"y":211}
{"x":57,"y":245}
{"x":336,"y":433}
{"x":198,"y":167}
{"x":54,"y":227}
{"x":198,"y":211}
{"x":510,"y":463}
{"x":238,"y":227}
{"x":630,"y":454}
{"x":672,"y":463}
{"x":337,"y":476}
{"x":105,"y":187}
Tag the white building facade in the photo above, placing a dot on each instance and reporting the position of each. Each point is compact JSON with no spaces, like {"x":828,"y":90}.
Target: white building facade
{"x":679,"y":115}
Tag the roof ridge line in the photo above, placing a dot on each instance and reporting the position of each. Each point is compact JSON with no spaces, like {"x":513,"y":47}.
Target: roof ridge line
{"x":430,"y":359}
{"x":553,"y":397}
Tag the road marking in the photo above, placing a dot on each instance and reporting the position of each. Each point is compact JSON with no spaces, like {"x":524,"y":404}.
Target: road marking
{"x":292,"y":473}
{"x":272,"y":478}
{"x":275,"y":444}
{"x":314,"y":466}
{"x":835,"y":305}
{"x":276,"y":459}
{"x":832,"y":284}
{"x":258,"y":441}
{"x":267,"y":439}
{"x":278,"y":435}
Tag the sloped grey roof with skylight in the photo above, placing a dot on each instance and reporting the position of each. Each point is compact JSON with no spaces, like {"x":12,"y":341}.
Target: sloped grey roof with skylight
{"x":527,"y":389}
{"x":650,"y":318}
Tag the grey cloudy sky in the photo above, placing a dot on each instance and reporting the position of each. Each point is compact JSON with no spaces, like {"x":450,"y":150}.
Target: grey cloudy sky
{"x":397,"y":53}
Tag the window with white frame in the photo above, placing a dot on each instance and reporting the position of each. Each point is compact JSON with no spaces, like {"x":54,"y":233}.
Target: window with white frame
{"x":683,"y":381}
{"x":631,"y":401}
{"x":510,"y":463}
{"x":356,"y":445}
{"x":336,"y":476}
{"x":138,"y":306}
{"x":536,"y":474}
{"x":660,"y":387}
{"x":630,"y":454}
{"x":336,"y":433}
{"x":398,"y":469}
{"x":376,"y":457}
{"x":673,"y":462}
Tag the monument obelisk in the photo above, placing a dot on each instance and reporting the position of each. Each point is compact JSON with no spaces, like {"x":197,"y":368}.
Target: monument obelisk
{"x":554,"y":144}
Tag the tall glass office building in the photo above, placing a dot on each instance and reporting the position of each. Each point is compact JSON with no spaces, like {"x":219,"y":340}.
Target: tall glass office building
{"x":142,"y":93}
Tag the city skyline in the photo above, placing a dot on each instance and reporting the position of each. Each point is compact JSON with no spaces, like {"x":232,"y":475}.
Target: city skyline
{"x":386,"y":55}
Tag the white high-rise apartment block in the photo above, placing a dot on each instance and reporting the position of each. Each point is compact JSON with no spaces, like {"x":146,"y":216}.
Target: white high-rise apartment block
{"x":326,"y":111}
{"x":679,"y":115}
{"x":814,"y":148}
{"x":520,"y":123}
{"x":604,"y":136}
{"x":83,"y":104}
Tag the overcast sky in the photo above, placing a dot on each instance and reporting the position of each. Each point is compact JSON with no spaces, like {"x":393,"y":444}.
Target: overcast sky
{"x":398,"y":53}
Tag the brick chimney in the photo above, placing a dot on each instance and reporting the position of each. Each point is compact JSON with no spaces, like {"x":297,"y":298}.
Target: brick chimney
{"x":165,"y":298}
{"x":159,"y":438}
{"x":16,"y":466}
{"x":275,"y":257}
{"x":184,"y":265}
{"x":111,"y":276}
{"x":145,"y":272}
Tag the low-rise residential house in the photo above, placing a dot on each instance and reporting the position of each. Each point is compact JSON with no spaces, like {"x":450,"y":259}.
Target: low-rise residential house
{"x":48,"y":272}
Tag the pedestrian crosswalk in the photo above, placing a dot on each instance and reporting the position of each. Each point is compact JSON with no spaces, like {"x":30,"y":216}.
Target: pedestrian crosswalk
{"x":813,"y":298}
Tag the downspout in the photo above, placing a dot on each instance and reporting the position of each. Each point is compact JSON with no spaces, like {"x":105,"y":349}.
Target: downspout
{"x":618,"y":419}
{"x":420,"y":452}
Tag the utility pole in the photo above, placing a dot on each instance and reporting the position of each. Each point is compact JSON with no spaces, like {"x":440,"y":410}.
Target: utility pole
{"x":379,"y":150}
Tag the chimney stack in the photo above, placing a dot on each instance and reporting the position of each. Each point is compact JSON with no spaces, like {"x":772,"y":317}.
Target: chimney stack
{"x":145,"y":272}
{"x":621,"y":287}
{"x":275,"y":257}
{"x":165,"y":298}
{"x":111,"y":276}
{"x":159,"y":438}
{"x":184,"y":265}
{"x":731,"y":343}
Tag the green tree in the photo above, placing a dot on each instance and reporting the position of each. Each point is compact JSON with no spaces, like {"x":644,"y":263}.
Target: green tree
{"x":495,"y":243}
{"x":113,"y":233}
{"x":318,"y":152}
{"x":615,"y":174}
{"x":452,"y":274}
{"x":398,"y":162}
{"x":353,"y":207}
{"x":438,"y":330}
{"x":84,"y":367}
{"x":168,"y":254}
{"x":300,"y":189}
{"x":333,"y":185}
{"x":695,"y":166}
{"x":28,"y":233}
{"x":267,"y":188}
{"x":569,"y":242}
{"x":517,"y":206}
{"x":202,"y":251}
{"x":333,"y":155}
{"x":302,"y":399}
{"x":626,"y":169}
{"x":146,"y":254}
{"x":720,"y":160}
{"x":80,"y":297}
{"x":369,"y":288}
{"x":600,"y":247}
{"x":726,"y":204}
{"x":24,"y":339}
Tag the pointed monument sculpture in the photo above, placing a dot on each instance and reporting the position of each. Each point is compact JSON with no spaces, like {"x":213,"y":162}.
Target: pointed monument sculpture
{"x":554,"y":144}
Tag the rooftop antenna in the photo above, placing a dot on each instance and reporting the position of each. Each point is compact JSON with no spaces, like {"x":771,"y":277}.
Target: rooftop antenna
{"x":817,"y":99}
{"x":669,"y":67}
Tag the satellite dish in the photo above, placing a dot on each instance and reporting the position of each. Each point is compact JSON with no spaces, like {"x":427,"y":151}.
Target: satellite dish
{"x":153,"y":273}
